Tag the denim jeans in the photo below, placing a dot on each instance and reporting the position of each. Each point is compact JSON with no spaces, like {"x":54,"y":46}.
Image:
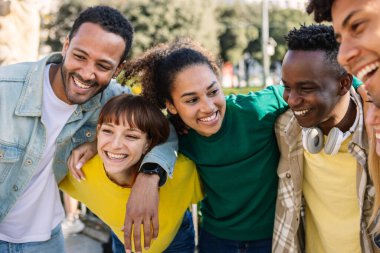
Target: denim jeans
{"x":183,"y":242}
{"x":209,"y":243}
{"x":56,"y":244}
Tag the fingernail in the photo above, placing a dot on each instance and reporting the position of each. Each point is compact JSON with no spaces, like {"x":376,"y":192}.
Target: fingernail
{"x":79,"y":165}
{"x":146,"y":248}
{"x":127,"y":251}
{"x":78,"y":179}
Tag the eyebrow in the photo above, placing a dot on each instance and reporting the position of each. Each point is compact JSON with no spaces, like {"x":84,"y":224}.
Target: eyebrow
{"x":193,"y":93}
{"x":349,"y":16}
{"x":101,"y":60}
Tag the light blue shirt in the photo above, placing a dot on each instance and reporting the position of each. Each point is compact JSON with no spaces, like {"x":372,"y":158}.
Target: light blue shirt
{"x":22,"y":134}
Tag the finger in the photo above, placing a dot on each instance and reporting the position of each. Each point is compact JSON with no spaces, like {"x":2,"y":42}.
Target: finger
{"x":137,"y":236}
{"x":155,"y":226}
{"x":78,"y":168}
{"x":127,"y":235}
{"x":70,"y":165}
{"x":147,"y":233}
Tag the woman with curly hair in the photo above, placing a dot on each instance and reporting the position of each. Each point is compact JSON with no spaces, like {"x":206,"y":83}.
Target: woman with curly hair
{"x":231,"y":139}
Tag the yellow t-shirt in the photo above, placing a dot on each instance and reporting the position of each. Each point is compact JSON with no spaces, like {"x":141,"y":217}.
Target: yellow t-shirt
{"x":108,"y":200}
{"x":332,"y":206}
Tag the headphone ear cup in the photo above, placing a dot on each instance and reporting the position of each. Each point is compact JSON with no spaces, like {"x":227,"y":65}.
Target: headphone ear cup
{"x":312,"y":140}
{"x":334,"y":140}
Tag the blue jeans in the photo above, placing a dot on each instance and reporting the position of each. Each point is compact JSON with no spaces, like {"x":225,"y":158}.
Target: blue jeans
{"x":55,"y":244}
{"x":209,"y":243}
{"x":183,"y":242}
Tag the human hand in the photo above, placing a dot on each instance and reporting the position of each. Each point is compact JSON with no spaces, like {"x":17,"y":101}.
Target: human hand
{"x":142,"y":209}
{"x":79,"y":156}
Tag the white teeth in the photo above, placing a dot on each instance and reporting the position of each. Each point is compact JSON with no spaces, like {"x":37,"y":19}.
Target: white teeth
{"x":80,"y":84}
{"x":207,"y":119}
{"x":300,"y":113}
{"x":367,"y":69}
{"x":116,"y":156}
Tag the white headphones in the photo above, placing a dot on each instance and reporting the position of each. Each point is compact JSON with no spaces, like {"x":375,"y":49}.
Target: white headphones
{"x":312,"y":138}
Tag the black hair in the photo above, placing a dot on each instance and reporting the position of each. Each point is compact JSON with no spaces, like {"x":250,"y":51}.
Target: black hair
{"x":321,"y":9}
{"x":110,"y":20}
{"x":157,"y":68}
{"x":316,"y":38}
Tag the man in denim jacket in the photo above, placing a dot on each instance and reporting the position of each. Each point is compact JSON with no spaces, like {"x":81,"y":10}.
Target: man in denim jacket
{"x":49,"y":107}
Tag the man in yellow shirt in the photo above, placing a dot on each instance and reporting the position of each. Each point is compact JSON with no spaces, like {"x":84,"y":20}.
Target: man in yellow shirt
{"x":324,"y":195}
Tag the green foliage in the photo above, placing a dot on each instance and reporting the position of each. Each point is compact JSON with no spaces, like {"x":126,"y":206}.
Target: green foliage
{"x":155,"y":21}
{"x":281,"y":22}
{"x":228,"y":29}
{"x":242,"y":29}
{"x":241,"y":24}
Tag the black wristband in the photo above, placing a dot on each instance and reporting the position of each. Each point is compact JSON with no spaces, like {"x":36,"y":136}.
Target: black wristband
{"x":154,"y":168}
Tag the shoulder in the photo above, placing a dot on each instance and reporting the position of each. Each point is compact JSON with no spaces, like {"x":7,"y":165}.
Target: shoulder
{"x":184,"y":162}
{"x":114,"y":89}
{"x":15,"y":72}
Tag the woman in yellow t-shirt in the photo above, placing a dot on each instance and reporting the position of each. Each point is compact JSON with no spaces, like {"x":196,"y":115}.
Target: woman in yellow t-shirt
{"x":128,"y":127}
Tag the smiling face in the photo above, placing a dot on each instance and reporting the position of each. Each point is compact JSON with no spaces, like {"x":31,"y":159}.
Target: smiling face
{"x":121,"y":147}
{"x":198,"y":99}
{"x":311,"y":88}
{"x":357,"y":27}
{"x":91,"y":58}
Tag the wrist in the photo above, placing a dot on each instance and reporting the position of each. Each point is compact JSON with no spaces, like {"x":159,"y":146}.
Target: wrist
{"x":152,"y":169}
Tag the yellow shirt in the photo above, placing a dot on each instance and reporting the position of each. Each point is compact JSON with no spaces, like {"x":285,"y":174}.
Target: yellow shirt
{"x":108,"y":200}
{"x":332,"y":206}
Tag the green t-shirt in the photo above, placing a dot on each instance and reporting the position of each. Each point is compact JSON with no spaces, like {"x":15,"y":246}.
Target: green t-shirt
{"x":238,"y":166}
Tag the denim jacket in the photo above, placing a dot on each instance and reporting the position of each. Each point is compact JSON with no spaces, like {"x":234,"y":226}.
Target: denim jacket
{"x":23,"y":135}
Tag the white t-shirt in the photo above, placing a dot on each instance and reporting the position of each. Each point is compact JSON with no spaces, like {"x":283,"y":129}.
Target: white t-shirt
{"x":39,"y":208}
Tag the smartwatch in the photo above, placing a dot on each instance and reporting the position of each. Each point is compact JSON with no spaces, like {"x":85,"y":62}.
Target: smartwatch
{"x":154,"y":168}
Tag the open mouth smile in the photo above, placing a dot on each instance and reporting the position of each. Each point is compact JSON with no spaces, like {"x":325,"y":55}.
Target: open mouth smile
{"x":113,"y":156}
{"x":301,"y":112}
{"x":367,"y":71}
{"x":81,"y":84}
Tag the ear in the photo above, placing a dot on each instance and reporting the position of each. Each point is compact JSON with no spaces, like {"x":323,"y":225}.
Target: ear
{"x":119,"y":69}
{"x":65,"y":46}
{"x":147,"y":146}
{"x":171,"y":108}
{"x":345,"y":83}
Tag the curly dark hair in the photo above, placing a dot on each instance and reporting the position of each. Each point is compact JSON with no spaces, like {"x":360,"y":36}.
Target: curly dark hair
{"x":316,"y":37}
{"x":321,"y":9}
{"x":110,"y":20}
{"x":157,"y":68}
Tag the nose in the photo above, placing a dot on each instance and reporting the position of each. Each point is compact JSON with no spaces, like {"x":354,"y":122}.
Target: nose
{"x":207,"y":105}
{"x":88,"y":72}
{"x":117,"y":141}
{"x":347,"y":52}
{"x":293,"y":98}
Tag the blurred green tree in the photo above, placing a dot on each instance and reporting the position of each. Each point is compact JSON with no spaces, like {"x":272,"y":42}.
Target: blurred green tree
{"x":155,"y":21}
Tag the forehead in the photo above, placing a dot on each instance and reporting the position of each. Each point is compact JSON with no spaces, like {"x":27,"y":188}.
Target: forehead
{"x":342,"y":10}
{"x":193,"y":78}
{"x":304,"y":64}
{"x":95,"y":41}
